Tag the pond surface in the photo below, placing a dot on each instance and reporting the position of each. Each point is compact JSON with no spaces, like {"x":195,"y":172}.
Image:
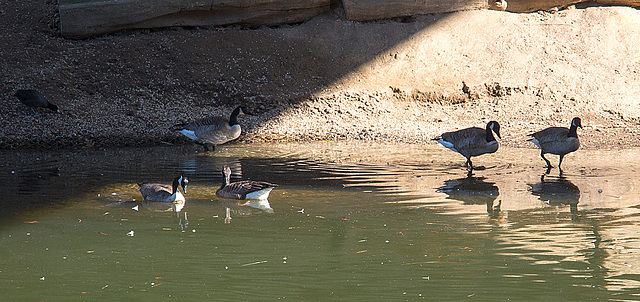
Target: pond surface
{"x":360,"y":221}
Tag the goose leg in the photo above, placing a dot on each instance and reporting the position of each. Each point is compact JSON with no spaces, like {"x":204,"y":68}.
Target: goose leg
{"x":546,"y":160}
{"x":206,"y":147}
{"x":469,"y":164}
{"x":560,"y":162}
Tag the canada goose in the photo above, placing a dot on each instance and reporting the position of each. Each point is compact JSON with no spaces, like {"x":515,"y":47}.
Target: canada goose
{"x":34,"y":99}
{"x":165,"y":193}
{"x":558,"y":140}
{"x":244,"y":189}
{"x":472,"y":141}
{"x":215,"y":130}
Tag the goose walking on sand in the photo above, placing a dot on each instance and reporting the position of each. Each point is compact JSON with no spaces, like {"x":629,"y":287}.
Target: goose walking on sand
{"x":472,"y":141}
{"x":215,"y":130}
{"x":557,"y":140}
{"x":244,"y":189}
{"x":165,"y":193}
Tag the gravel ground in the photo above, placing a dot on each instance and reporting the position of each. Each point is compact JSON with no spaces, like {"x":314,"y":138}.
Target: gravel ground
{"x":327,"y":79}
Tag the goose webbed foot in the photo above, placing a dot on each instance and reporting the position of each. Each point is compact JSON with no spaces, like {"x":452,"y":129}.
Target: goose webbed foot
{"x":548,"y":170}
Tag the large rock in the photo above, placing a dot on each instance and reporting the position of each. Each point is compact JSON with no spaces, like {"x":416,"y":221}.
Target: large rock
{"x":363,"y":10}
{"x":525,"y":6}
{"x":83,"y":18}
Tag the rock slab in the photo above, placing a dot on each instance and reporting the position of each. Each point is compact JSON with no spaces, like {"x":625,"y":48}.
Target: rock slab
{"x":85,"y":18}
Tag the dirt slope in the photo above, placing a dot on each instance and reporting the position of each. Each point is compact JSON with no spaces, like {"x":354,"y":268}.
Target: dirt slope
{"x":397,"y":80}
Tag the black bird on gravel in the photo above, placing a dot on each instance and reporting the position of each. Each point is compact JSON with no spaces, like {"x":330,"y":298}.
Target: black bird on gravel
{"x":35,"y":99}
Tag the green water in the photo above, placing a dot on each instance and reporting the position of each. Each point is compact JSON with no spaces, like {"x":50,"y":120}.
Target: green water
{"x":348,"y":222}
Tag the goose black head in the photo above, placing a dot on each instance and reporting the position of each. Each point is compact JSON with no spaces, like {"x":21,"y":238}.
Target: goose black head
{"x":495,"y":127}
{"x":244,"y":110}
{"x":233,"y":119}
{"x":180,"y":181}
{"x":183,"y":183}
{"x":576,"y":122}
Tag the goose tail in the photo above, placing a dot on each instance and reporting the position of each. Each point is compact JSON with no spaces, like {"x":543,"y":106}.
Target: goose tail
{"x":179,"y":127}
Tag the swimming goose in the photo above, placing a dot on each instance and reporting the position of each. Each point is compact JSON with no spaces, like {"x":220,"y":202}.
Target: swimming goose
{"x":34,"y":99}
{"x":244,"y":189}
{"x":215,"y":130}
{"x":558,"y":140}
{"x":165,"y":193}
{"x":472,"y":141}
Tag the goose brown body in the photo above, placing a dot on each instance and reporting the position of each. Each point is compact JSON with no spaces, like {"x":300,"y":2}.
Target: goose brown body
{"x":558,"y":140}
{"x":245,"y":189}
{"x":165,"y":193}
{"x":472,"y":141}
{"x":214,"y":130}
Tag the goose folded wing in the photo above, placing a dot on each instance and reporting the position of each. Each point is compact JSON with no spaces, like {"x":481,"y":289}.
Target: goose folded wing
{"x":551,"y":134}
{"x":155,"y":191}
{"x":467,"y":138}
{"x":250,"y":186}
{"x":205,"y":122}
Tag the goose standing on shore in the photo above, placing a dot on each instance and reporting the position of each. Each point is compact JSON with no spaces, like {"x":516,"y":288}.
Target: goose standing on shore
{"x":165,"y":193}
{"x":215,"y":130}
{"x":557,"y":140}
{"x":472,"y":141}
{"x":35,"y":99}
{"x":244,"y":189}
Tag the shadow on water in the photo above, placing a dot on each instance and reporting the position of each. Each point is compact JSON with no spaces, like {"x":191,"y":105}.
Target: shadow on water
{"x":365,"y":219}
{"x":473,"y":190}
{"x":557,"y":191}
{"x":42,"y":179}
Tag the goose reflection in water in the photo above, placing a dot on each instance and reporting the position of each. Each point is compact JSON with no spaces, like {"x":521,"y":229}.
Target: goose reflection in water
{"x":473,"y":190}
{"x":242,"y":208}
{"x":154,"y":206}
{"x":557,"y":191}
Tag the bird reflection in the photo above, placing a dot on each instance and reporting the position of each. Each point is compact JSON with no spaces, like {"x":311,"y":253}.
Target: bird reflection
{"x":473,"y":190}
{"x":557,"y":191}
{"x":241,"y":208}
{"x":155,"y":206}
